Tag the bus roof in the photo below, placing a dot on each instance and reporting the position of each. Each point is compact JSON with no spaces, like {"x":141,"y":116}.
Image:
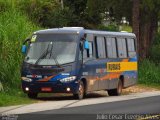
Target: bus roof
{"x":77,"y":30}
{"x":101,"y":32}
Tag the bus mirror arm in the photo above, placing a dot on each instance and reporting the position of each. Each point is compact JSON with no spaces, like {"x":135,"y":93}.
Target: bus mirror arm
{"x":27,"y":40}
{"x":81,"y":46}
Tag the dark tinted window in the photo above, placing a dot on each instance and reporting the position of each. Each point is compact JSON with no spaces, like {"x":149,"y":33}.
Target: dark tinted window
{"x":131,"y":47}
{"x":122,"y":50}
{"x":100,"y":47}
{"x":111,"y":47}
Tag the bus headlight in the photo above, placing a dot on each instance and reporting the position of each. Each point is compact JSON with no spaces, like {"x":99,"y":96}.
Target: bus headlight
{"x":26,"y":79}
{"x":68,"y":79}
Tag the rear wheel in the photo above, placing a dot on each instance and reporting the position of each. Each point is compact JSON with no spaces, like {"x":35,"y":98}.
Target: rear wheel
{"x":32,"y":95}
{"x":117,"y":91}
{"x":80,"y":93}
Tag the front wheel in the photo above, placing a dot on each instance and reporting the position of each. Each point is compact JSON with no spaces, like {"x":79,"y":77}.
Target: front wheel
{"x":117,"y":91}
{"x":80,"y":93}
{"x":32,"y":95}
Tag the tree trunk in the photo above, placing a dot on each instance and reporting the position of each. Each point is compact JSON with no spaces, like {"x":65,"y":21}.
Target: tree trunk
{"x":145,"y":39}
{"x":148,"y":30}
{"x":136,"y":21}
{"x":154,"y":27}
{"x":145,"y":26}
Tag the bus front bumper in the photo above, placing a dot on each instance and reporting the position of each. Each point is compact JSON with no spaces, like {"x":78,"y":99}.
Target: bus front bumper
{"x":50,"y":87}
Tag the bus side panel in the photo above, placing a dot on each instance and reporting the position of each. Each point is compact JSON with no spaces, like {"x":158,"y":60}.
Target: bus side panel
{"x":99,"y":78}
{"x":130,"y":78}
{"x":95,"y":71}
{"x":127,"y":68}
{"x":89,"y":72}
{"x":113,"y":83}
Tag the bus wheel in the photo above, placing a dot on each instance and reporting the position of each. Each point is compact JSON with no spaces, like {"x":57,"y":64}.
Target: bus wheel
{"x":32,"y":95}
{"x":80,"y":93}
{"x":117,"y":91}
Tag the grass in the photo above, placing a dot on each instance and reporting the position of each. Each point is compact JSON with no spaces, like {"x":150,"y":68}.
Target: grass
{"x":12,"y":99}
{"x":15,"y":27}
{"x":149,"y":73}
{"x":14,"y":96}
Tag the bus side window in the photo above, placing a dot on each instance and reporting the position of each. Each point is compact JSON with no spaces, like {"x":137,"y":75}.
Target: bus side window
{"x":131,"y":47}
{"x":122,"y":50}
{"x":111,"y":47}
{"x":100,"y":47}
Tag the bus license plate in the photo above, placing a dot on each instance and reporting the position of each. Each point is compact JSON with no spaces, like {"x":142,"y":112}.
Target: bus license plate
{"x":46,"y":89}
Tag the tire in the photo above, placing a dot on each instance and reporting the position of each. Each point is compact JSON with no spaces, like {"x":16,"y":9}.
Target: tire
{"x":32,"y":95}
{"x":117,"y":91}
{"x":80,"y":94}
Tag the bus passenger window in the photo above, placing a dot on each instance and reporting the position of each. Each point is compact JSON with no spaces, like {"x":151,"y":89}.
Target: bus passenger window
{"x":111,"y":47}
{"x":100,"y":47}
{"x":122,"y":51}
{"x":131,"y":47}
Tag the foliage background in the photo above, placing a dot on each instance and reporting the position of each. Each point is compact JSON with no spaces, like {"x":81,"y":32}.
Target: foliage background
{"x":14,"y":28}
{"x":19,"y":18}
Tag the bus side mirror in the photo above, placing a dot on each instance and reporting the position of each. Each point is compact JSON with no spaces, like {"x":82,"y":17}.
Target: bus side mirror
{"x":24,"y":49}
{"x":86,"y":44}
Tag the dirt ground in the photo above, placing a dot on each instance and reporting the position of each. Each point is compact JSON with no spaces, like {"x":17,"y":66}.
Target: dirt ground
{"x":139,"y":89}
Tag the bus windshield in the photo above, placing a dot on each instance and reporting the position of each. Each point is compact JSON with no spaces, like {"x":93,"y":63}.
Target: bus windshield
{"x":49,"y":48}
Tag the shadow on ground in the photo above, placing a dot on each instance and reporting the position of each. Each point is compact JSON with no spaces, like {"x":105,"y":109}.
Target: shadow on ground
{"x":58,"y":97}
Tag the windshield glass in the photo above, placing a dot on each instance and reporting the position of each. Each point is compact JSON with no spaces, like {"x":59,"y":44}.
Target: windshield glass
{"x":60,"y":47}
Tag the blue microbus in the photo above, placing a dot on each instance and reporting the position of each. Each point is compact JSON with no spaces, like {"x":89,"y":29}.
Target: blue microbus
{"x":78,"y":61}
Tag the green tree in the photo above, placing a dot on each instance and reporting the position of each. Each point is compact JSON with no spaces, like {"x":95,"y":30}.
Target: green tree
{"x":39,"y":11}
{"x":77,"y":6}
{"x":61,"y":18}
{"x":149,"y":16}
{"x":145,"y":24}
{"x":143,"y":15}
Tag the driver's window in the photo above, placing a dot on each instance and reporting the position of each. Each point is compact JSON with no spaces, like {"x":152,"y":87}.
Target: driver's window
{"x":88,"y":53}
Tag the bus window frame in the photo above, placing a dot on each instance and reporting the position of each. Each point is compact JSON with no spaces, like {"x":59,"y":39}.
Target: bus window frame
{"x":115,"y":47}
{"x":116,"y":40}
{"x":122,"y":38}
{"x":135,"y":47}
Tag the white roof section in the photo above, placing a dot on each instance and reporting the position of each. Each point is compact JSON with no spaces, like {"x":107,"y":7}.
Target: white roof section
{"x":62,"y":30}
{"x":77,"y":30}
{"x":73,"y":28}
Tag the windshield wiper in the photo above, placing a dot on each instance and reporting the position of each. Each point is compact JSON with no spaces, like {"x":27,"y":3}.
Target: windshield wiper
{"x":54,"y":58}
{"x":43,"y":55}
{"x":46,"y":53}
